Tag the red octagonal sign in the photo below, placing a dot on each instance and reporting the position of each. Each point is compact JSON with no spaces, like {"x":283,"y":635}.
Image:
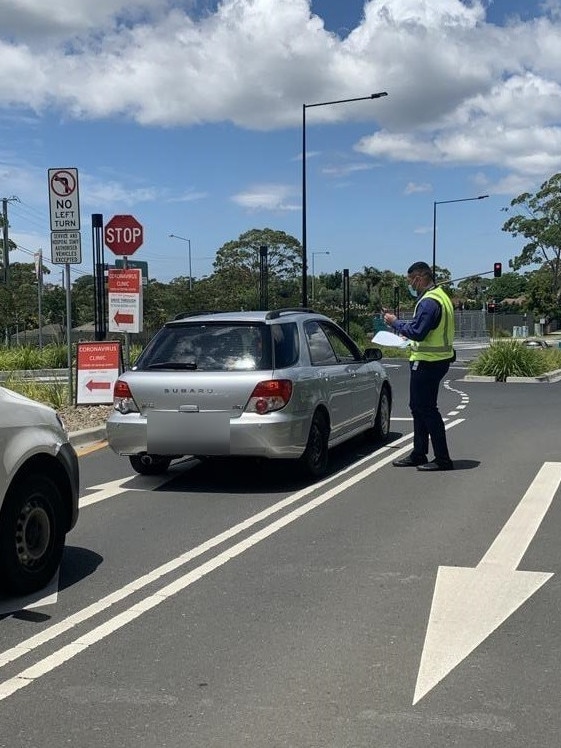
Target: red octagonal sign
{"x":123,"y":235}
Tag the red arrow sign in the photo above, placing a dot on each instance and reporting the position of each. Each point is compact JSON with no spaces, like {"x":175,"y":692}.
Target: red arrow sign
{"x":123,"y":319}
{"x":91,"y":385}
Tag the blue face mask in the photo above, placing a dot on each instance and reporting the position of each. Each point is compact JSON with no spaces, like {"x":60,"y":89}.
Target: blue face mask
{"x":414,"y":293}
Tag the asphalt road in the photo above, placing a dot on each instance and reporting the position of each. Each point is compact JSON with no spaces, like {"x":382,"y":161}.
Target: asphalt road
{"x":228,"y":605}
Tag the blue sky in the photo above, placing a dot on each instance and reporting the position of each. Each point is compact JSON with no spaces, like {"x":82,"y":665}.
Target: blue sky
{"x":187,"y":114}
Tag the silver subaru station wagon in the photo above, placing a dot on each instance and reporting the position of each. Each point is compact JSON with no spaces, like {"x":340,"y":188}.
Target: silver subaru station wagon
{"x":283,"y":384}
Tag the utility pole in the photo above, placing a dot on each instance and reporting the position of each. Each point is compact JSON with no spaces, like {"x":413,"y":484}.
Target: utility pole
{"x":5,"y":240}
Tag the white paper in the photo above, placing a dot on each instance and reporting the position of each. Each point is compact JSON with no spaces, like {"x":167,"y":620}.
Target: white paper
{"x":390,"y":339}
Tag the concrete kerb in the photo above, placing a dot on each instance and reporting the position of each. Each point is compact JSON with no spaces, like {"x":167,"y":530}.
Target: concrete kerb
{"x":550,"y":376}
{"x":86,"y":437}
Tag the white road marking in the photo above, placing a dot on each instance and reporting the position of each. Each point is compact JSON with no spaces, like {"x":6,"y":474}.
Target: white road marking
{"x":121,"y":485}
{"x":47,"y":664}
{"x":47,"y":596}
{"x":470,"y":603}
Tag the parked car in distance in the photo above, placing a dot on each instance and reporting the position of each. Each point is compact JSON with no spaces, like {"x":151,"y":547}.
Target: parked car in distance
{"x":535,"y":343}
{"x":39,"y":488}
{"x":282,"y":384}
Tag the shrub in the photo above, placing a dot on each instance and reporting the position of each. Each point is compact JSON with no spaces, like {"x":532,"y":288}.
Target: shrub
{"x":509,"y":358}
{"x":52,"y":356}
{"x":53,"y":393}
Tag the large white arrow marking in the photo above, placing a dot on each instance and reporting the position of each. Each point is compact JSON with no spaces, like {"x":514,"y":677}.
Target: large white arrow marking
{"x":469,"y":604}
{"x":122,"y":485}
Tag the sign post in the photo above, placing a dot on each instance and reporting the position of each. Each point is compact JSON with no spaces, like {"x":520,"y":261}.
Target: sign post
{"x":123,"y":235}
{"x":64,"y":203}
{"x":98,"y":366}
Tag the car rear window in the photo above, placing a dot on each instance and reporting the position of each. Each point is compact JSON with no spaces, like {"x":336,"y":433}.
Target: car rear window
{"x":215,"y":346}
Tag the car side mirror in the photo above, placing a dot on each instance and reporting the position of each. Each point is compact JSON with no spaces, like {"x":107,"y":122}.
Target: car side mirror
{"x":373,"y":354}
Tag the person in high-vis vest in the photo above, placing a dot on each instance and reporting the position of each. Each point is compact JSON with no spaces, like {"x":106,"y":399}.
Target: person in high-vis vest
{"x":432,"y":334}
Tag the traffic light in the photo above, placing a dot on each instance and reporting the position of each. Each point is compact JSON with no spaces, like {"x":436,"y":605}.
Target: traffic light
{"x":497,"y":269}
{"x":491,"y":307}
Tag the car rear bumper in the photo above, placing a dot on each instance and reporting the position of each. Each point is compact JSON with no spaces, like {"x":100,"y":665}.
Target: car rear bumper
{"x":275,"y":435}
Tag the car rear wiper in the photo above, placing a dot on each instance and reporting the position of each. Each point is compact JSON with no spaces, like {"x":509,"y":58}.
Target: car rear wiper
{"x":187,"y":365}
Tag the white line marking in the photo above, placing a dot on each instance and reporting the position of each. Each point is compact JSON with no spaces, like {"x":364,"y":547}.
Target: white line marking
{"x":470,"y":603}
{"x":47,"y":664}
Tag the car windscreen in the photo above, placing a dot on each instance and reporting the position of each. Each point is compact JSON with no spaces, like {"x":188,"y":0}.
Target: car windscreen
{"x":211,"y":346}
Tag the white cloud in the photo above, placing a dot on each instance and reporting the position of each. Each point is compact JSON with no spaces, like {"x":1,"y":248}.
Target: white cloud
{"x":461,"y":90}
{"x":275,"y":197}
{"x":344,"y":170}
{"x":411,"y":188}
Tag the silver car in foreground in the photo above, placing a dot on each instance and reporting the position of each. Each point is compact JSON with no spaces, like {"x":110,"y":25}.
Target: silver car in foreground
{"x":39,"y":486}
{"x":283,"y":384}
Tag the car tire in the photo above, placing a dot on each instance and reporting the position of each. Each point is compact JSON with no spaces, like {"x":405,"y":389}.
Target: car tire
{"x":146,"y":464}
{"x":32,"y":534}
{"x":382,"y":423}
{"x":315,"y":458}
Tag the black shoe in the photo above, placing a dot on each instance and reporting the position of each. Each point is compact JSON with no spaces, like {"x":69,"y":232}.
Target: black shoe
{"x":410,"y":461}
{"x":437,"y":465}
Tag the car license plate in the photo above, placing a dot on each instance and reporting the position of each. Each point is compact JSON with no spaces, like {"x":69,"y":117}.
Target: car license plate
{"x":171,"y":432}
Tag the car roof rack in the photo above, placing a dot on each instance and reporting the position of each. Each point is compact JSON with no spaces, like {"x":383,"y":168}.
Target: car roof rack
{"x":273,"y":314}
{"x":184,"y":315}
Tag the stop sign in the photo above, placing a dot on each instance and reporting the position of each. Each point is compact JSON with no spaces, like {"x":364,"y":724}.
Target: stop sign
{"x":123,"y":235}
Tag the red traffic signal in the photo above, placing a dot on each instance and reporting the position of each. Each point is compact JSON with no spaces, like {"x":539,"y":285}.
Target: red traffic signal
{"x":497,"y":269}
{"x":491,"y":307}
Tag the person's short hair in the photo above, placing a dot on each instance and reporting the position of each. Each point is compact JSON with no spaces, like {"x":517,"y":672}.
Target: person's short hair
{"x":422,"y":268}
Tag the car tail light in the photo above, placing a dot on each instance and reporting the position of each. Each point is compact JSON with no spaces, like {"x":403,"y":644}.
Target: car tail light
{"x":269,"y":395}
{"x":123,"y":400}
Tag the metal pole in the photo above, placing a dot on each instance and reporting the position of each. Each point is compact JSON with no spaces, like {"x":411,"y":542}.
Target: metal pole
{"x":313,"y":276}
{"x":304,"y":234}
{"x":304,"y":227}
{"x":39,"y":297}
{"x":69,"y":334}
{"x":5,"y":245}
{"x":127,"y":333}
{"x":434,"y":240}
{"x":445,"y":202}
{"x":183,"y":239}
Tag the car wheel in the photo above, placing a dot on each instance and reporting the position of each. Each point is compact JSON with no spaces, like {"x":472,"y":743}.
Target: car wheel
{"x":146,"y":464}
{"x":314,"y":459}
{"x":381,"y":430}
{"x":32,"y":533}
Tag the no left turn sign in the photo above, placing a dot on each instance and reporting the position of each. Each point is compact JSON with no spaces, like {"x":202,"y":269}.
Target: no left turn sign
{"x":64,"y":199}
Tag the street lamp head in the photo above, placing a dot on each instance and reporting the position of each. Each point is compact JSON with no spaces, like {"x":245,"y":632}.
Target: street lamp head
{"x":378,"y":95}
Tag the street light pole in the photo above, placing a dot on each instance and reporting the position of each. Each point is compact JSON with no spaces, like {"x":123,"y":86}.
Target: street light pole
{"x":304,"y":237}
{"x":325,"y":252}
{"x":443,"y":202}
{"x":174,"y":236}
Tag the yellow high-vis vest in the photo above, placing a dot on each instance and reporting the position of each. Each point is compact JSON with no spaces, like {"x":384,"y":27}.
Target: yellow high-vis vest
{"x":439,"y":343}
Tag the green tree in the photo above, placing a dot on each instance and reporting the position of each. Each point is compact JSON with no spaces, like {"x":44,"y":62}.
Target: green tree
{"x":83,"y":300}
{"x":509,"y":285}
{"x":539,"y":222}
{"x":237,"y":266}
{"x":541,"y":299}
{"x":19,"y":298}
{"x":53,"y":306}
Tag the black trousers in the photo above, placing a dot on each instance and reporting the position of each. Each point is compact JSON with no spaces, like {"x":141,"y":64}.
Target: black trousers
{"x":424,"y":382}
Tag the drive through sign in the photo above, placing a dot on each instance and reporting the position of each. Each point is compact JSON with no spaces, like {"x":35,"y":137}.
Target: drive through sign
{"x":123,"y":235}
{"x":125,"y":300}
